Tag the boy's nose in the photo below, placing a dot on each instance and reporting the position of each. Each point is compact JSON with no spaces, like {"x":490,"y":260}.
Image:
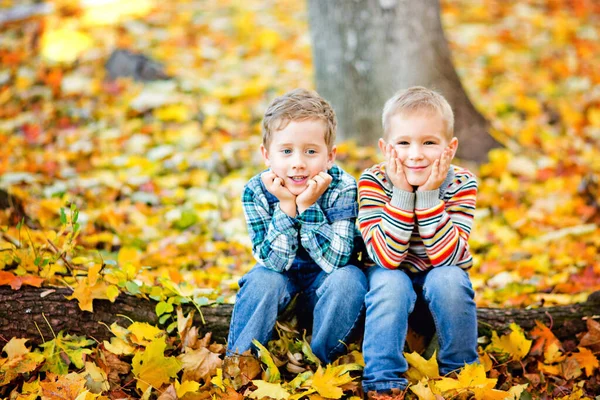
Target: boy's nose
{"x":298,"y":162}
{"x":415,"y":152}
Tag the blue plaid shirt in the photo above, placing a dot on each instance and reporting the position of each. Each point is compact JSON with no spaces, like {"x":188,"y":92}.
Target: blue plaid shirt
{"x":323,"y":233}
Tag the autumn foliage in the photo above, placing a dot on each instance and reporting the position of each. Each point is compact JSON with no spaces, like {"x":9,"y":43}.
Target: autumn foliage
{"x":123,"y":187}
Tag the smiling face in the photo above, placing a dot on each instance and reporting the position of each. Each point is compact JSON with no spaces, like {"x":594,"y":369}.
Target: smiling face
{"x":419,"y":138}
{"x":298,"y":152}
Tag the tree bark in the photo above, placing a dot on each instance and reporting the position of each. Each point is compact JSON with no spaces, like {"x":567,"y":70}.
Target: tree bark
{"x":25,"y":314}
{"x":364,"y":51}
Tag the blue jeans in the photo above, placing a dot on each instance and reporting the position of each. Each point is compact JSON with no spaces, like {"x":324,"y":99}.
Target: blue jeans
{"x":336,"y":301}
{"x":391,"y":298}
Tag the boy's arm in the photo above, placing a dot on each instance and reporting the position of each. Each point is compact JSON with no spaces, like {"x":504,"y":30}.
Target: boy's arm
{"x":274,"y":238}
{"x":386,"y":224}
{"x":445,"y":227}
{"x":329,"y":240}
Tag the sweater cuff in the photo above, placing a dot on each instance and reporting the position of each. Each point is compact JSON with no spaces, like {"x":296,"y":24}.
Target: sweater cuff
{"x":428,"y":199}
{"x":403,"y":200}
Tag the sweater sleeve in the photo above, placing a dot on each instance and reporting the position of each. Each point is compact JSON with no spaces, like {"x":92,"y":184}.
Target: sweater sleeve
{"x":386,"y":221}
{"x":445,"y":227}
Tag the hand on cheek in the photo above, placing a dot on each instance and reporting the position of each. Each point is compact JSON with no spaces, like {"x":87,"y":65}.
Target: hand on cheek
{"x":439,"y":171}
{"x":276,"y":186}
{"x":395,"y":169}
{"x":315,"y":189}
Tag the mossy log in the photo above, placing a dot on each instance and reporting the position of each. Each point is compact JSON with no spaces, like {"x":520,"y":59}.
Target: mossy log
{"x":24,"y":313}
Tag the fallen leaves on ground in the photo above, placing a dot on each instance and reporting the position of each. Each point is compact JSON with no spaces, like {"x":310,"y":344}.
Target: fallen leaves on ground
{"x":133,"y":187}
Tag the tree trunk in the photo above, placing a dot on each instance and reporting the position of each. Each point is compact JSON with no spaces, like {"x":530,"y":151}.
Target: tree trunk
{"x":364,"y":51}
{"x":25,"y":314}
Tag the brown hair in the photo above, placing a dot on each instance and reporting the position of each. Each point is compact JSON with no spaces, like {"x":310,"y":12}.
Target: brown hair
{"x":414,"y":99}
{"x":298,"y":105}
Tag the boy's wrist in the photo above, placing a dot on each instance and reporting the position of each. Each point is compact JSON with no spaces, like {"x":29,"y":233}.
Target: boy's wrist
{"x":289,"y":208}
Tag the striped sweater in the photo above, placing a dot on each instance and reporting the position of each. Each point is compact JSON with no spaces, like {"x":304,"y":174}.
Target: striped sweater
{"x":421,"y":230}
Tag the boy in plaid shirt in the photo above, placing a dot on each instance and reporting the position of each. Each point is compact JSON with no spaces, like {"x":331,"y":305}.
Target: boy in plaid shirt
{"x":301,"y":215}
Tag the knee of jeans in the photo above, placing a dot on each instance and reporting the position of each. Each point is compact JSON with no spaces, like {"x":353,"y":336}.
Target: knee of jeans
{"x":451,"y":281}
{"x":392,"y":286}
{"x":347,"y":281}
{"x":266,"y":281}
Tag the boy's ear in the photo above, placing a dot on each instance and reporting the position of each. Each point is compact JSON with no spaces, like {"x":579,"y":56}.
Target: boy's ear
{"x":265,"y":155}
{"x":453,"y":145}
{"x":331,"y":157}
{"x":382,"y":145}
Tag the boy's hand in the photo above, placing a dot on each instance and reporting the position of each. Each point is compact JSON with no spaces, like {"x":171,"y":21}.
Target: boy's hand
{"x":316,"y":187}
{"x":274,"y":184}
{"x":439,"y":171}
{"x":395,"y":170}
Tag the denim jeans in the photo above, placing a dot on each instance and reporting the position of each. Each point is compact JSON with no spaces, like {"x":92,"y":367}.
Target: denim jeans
{"x":391,"y":298}
{"x":336,"y":301}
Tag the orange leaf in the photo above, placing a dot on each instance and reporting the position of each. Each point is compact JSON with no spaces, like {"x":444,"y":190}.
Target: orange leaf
{"x":15,"y":282}
{"x":587,"y":360}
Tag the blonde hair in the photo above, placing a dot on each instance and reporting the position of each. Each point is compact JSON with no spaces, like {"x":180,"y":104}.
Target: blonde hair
{"x":298,"y":105}
{"x":415,"y":99}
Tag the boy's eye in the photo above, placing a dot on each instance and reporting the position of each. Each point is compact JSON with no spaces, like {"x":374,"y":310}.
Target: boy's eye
{"x":402,"y":143}
{"x":286,"y":151}
{"x":429,"y":142}
{"x":311,"y":151}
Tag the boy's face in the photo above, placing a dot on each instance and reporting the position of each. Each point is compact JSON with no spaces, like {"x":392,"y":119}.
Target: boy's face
{"x":419,"y":139}
{"x":298,"y":152}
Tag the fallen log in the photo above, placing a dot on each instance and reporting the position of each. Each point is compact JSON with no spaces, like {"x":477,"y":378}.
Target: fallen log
{"x":24,"y":313}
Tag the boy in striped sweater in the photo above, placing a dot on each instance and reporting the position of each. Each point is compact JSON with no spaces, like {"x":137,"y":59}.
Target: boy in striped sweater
{"x":415,"y":216}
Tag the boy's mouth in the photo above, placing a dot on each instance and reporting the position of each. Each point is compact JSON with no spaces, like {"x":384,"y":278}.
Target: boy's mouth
{"x":299,"y":178}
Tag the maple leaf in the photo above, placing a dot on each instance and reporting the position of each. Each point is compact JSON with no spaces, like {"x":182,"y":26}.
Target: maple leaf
{"x":186,"y":387}
{"x":327,"y":383}
{"x":143,"y":333}
{"x":91,"y":287}
{"x":63,"y":387}
{"x":472,"y":379}
{"x":199,"y":364}
{"x":96,"y":378}
{"x":152,"y":368}
{"x":15,"y":282}
{"x":591,"y":338}
{"x":421,"y":368}
{"x":422,"y":390}
{"x":241,"y":369}
{"x":268,"y":389}
{"x":515,"y":344}
{"x":587,"y":360}
{"x":64,"y":350}
{"x":15,"y":347}
{"x":544,"y":338}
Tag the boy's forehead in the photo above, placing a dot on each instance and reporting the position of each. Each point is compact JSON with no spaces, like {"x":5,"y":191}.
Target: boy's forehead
{"x":307,"y":130}
{"x":417,"y":121}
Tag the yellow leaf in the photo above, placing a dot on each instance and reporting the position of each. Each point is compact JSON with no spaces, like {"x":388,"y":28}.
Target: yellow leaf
{"x":152,"y":368}
{"x":515,"y":343}
{"x":64,"y":45}
{"x":173,"y":112}
{"x":105,"y":13}
{"x":549,"y":369}
{"x":552,"y":354}
{"x":327,"y":382}
{"x":97,"y":380}
{"x":143,"y":333}
{"x":186,"y":387}
{"x":422,"y":391}
{"x":15,"y":347}
{"x":80,"y":260}
{"x":129,"y":256}
{"x":421,"y":368}
{"x":593,"y":115}
{"x":586,"y":360}
{"x":267,"y":389}
{"x":118,"y":346}
{"x":472,"y":377}
{"x":486,"y":361}
{"x":217,"y":380}
{"x":272,"y":372}
{"x":516,"y":391}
